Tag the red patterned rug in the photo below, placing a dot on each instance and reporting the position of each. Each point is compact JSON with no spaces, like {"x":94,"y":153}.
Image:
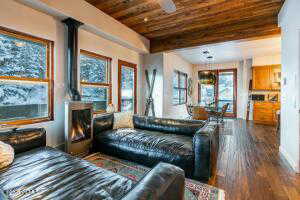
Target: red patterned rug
{"x":194,"y":190}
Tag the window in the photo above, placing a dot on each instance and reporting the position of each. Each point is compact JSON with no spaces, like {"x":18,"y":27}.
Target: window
{"x":224,"y":91}
{"x":179,"y":88}
{"x":26,"y":84}
{"x":95,"y":79}
{"x":127,"y":87}
{"x":206,"y":94}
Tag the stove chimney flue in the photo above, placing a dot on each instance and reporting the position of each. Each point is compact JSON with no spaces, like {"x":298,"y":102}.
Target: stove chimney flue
{"x":72,"y":57}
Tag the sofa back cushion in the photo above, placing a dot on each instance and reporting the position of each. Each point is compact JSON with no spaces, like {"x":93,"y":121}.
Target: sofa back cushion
{"x":103,"y":123}
{"x":174,"y":126}
{"x":24,"y":139}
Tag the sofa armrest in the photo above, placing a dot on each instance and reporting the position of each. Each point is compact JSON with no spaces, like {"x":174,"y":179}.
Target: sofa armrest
{"x":163,"y":182}
{"x":24,"y":139}
{"x":102,"y":123}
{"x":206,"y":147}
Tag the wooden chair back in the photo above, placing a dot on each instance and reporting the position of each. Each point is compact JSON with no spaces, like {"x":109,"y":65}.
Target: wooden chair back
{"x":224,"y":109}
{"x":199,"y":113}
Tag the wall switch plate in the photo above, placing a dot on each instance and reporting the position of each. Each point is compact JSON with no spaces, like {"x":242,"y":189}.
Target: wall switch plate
{"x":284,"y":81}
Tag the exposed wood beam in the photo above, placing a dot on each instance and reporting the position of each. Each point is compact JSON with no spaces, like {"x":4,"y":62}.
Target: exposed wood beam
{"x":159,"y":14}
{"x":132,"y":8}
{"x":214,"y":16}
{"x":209,"y":21}
{"x":195,"y":22}
{"x":235,"y":31}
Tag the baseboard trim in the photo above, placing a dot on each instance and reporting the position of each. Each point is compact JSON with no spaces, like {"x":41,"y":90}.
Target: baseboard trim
{"x":289,"y":159}
{"x":60,"y":147}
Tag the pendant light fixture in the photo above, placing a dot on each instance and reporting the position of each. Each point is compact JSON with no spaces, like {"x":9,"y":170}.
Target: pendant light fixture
{"x":207,"y":77}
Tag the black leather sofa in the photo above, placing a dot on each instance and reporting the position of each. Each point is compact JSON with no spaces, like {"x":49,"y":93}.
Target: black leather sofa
{"x":40,"y":172}
{"x":190,"y":144}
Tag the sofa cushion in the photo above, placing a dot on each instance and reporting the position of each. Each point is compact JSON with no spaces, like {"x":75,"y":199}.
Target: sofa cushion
{"x":46,"y":173}
{"x":6,"y":154}
{"x":24,"y":139}
{"x":123,"y":120}
{"x":147,"y":147}
{"x":103,"y":122}
{"x":176,"y":126}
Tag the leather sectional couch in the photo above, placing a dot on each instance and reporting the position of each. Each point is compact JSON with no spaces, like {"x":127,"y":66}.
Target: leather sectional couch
{"x":40,"y":172}
{"x":190,"y":144}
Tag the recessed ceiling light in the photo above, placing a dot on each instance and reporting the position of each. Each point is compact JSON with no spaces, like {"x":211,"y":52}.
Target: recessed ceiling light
{"x":146,"y":19}
{"x":19,"y":44}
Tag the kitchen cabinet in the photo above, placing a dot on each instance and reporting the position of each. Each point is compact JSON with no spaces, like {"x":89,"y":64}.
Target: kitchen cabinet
{"x":266,"y":77}
{"x":275,"y":77}
{"x":264,"y":112}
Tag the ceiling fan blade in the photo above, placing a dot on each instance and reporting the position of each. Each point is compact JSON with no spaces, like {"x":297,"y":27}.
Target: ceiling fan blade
{"x":167,"y":5}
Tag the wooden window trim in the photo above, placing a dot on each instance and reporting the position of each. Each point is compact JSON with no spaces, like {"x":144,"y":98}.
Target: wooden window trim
{"x":108,"y":75}
{"x":130,"y":65}
{"x":49,"y":73}
{"x":179,"y":73}
{"x":217,"y":72}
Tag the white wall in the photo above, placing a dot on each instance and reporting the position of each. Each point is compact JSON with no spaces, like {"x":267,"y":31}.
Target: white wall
{"x":267,"y":60}
{"x":290,"y":86}
{"x":94,"y":21}
{"x":229,"y":65}
{"x":16,"y":16}
{"x":166,"y":64}
{"x":172,"y":62}
{"x":151,"y":62}
{"x":244,"y":76}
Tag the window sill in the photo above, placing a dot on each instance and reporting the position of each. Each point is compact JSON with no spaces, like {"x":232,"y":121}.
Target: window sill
{"x":26,"y":122}
{"x":179,"y":104}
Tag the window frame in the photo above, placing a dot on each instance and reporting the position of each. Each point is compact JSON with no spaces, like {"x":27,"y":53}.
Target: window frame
{"x":134,"y":67}
{"x":49,"y":76}
{"x":179,"y":88}
{"x":108,"y":85}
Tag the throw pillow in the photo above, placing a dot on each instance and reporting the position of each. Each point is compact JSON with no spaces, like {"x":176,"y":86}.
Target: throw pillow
{"x":7,"y":154}
{"x":2,"y":195}
{"x":123,"y":120}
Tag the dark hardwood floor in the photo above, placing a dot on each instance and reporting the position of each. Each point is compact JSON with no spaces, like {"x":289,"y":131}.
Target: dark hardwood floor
{"x":250,"y":166}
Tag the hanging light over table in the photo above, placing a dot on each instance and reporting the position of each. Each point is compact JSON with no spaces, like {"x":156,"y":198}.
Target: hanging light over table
{"x":207,"y":77}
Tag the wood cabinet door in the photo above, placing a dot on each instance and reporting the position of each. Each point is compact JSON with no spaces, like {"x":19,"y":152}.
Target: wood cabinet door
{"x":265,"y":112}
{"x":275,"y":77}
{"x":261,"y":78}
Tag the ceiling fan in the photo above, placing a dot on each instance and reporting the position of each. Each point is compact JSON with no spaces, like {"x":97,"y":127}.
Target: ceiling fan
{"x":167,"y":5}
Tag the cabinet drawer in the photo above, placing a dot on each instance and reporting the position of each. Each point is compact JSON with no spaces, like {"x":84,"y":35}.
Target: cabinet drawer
{"x":262,"y":105}
{"x":266,"y":117}
{"x":263,"y":111}
{"x":276,"y":106}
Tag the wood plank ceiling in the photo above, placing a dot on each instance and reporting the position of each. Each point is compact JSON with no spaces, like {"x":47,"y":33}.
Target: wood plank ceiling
{"x":196,"y":22}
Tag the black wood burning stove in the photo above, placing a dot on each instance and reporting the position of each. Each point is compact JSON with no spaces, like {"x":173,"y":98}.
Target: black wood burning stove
{"x":78,"y":115}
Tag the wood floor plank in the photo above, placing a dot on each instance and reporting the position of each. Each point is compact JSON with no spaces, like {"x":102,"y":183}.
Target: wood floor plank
{"x":250,"y":165}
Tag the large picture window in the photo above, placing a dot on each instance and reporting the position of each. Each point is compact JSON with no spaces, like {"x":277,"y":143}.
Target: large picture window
{"x":95,"y":79}
{"x":179,"y":88}
{"x":26,"y":84}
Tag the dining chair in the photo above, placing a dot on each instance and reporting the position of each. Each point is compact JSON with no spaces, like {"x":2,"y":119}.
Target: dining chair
{"x":199,"y":113}
{"x":216,"y":116}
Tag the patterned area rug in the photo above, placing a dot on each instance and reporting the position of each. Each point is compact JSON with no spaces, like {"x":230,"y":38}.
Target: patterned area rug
{"x":194,"y":190}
